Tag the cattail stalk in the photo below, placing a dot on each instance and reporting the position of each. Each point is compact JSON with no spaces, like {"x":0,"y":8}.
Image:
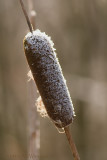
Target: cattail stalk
{"x":71,"y":143}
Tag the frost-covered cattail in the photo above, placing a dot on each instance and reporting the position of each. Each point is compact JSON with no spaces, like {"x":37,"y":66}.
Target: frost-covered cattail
{"x":48,"y":76}
{"x":49,"y":79}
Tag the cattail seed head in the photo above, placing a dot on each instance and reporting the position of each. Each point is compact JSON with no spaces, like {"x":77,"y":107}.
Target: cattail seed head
{"x":48,"y":76}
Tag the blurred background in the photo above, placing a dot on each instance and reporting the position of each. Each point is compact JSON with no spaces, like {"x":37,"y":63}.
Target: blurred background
{"x":79,"y":31}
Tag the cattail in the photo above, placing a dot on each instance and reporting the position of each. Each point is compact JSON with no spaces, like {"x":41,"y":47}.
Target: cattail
{"x":47,"y":73}
{"x":48,"y":76}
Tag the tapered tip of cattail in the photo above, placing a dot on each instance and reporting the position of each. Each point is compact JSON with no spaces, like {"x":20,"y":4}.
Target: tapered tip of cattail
{"x":36,"y":37}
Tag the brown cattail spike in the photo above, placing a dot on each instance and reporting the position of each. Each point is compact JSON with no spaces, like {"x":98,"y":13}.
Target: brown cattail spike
{"x":48,"y":76}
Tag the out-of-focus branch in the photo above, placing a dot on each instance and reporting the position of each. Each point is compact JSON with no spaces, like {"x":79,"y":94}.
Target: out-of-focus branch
{"x":34,"y":132}
{"x":32,"y":13}
{"x":33,"y":128}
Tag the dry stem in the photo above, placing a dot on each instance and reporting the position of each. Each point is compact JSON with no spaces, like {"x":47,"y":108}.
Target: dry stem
{"x":26,"y":15}
{"x":72,"y":144}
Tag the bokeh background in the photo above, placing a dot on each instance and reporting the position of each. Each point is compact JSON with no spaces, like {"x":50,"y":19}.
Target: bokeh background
{"x":79,"y":31}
